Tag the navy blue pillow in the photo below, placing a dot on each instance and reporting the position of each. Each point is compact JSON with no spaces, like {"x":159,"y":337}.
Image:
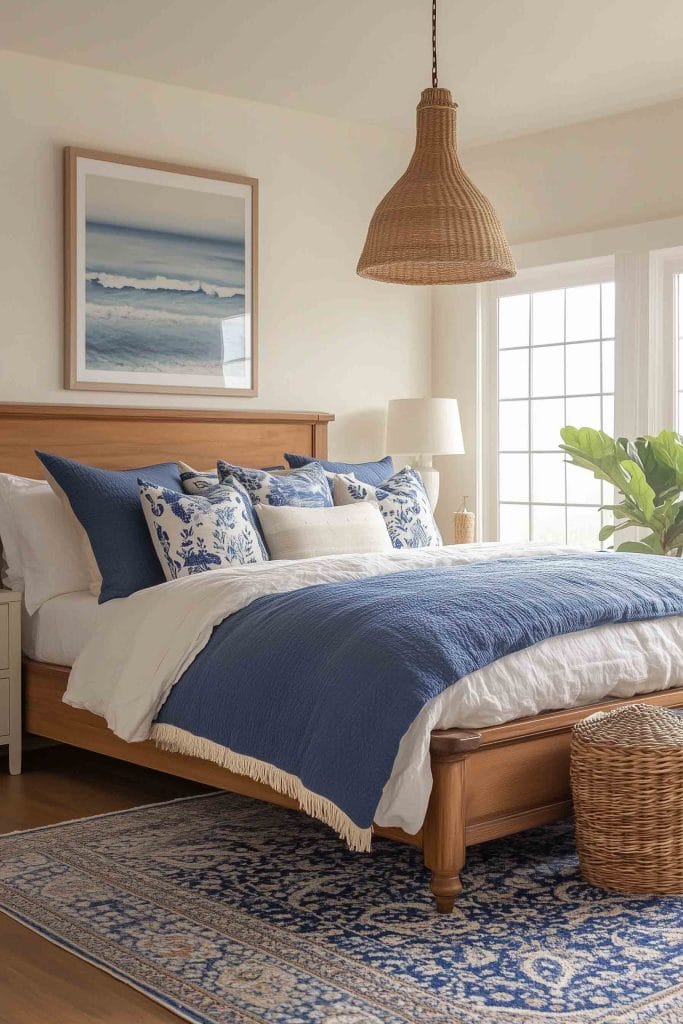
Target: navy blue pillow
{"x":107,"y":505}
{"x":366,"y":472}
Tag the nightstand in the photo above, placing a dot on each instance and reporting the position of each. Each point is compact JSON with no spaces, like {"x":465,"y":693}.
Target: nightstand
{"x":10,"y":676}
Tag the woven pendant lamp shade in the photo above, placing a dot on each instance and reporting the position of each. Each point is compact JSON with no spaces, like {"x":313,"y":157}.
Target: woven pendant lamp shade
{"x":434,"y":226}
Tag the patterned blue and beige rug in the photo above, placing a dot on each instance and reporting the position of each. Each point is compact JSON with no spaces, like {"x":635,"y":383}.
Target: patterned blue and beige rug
{"x":228,"y":911}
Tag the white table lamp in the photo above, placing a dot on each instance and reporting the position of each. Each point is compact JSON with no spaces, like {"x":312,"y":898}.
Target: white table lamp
{"x":422,"y":428}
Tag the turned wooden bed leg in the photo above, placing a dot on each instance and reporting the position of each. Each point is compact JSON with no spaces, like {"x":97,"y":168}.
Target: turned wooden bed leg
{"x":443,"y":836}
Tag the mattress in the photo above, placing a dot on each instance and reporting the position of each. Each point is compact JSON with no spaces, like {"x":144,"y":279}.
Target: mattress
{"x":60,"y":629}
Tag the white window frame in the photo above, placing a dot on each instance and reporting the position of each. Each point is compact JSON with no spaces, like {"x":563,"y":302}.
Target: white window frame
{"x":665,"y":265}
{"x":564,"y":275}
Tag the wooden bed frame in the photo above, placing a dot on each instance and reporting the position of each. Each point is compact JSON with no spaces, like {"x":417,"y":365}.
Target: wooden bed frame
{"x":487,"y":783}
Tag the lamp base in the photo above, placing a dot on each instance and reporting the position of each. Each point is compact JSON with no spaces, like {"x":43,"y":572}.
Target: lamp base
{"x":430,"y":479}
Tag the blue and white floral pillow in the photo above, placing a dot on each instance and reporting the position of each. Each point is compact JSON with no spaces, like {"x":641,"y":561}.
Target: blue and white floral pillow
{"x":402,"y":501}
{"x":306,"y":487}
{"x":195,"y":533}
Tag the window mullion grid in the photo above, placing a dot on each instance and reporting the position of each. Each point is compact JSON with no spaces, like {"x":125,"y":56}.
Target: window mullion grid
{"x":547,"y":504}
{"x":551,"y":344}
{"x":529,"y":399}
{"x":589,"y":394}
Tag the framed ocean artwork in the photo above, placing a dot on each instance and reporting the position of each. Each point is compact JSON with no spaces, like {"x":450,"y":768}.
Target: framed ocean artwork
{"x":160,"y":277}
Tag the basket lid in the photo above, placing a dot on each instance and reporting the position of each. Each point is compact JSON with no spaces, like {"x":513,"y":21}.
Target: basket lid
{"x":636,"y":725}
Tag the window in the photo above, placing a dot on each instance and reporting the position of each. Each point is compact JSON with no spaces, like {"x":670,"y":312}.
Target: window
{"x":547,"y":358}
{"x":554,"y":355}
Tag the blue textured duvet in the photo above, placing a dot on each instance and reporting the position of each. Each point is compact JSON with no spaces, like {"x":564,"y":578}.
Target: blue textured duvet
{"x":323,"y":682}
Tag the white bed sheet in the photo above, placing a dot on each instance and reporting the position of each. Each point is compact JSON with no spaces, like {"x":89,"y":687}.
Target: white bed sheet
{"x":61,"y":628}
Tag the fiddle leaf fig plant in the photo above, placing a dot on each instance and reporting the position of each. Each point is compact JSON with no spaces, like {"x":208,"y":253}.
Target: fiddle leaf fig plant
{"x":647,"y":473}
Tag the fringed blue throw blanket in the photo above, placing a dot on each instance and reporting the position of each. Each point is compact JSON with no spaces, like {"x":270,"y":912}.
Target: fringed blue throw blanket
{"x":321,"y":683}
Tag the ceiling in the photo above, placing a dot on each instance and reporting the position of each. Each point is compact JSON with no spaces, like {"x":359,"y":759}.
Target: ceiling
{"x":514,"y":66}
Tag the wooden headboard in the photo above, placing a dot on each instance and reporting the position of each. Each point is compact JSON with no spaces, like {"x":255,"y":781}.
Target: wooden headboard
{"x":116,"y":438}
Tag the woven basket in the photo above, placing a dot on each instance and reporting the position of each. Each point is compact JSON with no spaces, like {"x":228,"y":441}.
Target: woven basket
{"x":627,"y":786}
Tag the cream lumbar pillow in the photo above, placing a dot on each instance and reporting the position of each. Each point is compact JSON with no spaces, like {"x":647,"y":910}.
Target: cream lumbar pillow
{"x":294,"y":532}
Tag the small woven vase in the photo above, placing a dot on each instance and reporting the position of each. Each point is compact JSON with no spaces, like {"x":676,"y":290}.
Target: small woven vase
{"x":434,"y":226}
{"x":464,"y":523}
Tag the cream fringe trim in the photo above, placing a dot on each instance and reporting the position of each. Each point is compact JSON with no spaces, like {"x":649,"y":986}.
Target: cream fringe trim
{"x":179,"y":741}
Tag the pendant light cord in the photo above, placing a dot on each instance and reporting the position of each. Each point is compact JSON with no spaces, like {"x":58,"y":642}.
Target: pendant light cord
{"x":435,"y":79}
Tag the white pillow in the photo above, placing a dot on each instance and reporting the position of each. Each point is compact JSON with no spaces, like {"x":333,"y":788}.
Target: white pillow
{"x":194,"y":533}
{"x":94,"y":574}
{"x":402,"y":501}
{"x":5,"y":577}
{"x":293,"y":532}
{"x":10,"y":562}
{"x":42,"y":547}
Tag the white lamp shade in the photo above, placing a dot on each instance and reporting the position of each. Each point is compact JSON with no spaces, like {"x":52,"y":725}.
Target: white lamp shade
{"x":424,"y":426}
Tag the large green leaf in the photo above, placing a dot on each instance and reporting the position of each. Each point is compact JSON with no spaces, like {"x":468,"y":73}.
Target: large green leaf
{"x":594,"y":450}
{"x":629,"y":449}
{"x":658,"y":463}
{"x":636,"y":546}
{"x":611,"y":528}
{"x":667,"y":449}
{"x":654,"y":543}
{"x":639,"y":489}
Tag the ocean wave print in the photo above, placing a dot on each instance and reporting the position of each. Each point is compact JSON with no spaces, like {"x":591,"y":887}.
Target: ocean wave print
{"x":118,"y":312}
{"x":161,"y":283}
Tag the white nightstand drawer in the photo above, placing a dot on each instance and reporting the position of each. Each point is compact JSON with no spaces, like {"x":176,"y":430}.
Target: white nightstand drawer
{"x":4,"y":636}
{"x":4,"y":705}
{"x":10,"y":676}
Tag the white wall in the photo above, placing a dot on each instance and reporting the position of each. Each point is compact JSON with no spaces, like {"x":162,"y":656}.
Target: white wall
{"x":454,"y":367}
{"x":328,"y":340}
{"x":579,"y":179}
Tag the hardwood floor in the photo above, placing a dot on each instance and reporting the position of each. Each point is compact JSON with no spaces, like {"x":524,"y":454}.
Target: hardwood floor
{"x":39,"y":982}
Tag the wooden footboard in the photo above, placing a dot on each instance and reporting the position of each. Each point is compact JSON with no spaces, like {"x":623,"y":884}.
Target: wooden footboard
{"x":497,"y":781}
{"x":486,"y":783}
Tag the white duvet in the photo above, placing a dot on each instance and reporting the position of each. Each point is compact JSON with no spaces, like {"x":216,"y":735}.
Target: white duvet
{"x":143,"y":644}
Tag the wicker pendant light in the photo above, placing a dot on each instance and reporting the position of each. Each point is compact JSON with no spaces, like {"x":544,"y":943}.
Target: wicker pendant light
{"x":434,"y":226}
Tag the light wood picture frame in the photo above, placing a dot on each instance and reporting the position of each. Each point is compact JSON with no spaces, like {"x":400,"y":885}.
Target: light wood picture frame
{"x":161,"y":277}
